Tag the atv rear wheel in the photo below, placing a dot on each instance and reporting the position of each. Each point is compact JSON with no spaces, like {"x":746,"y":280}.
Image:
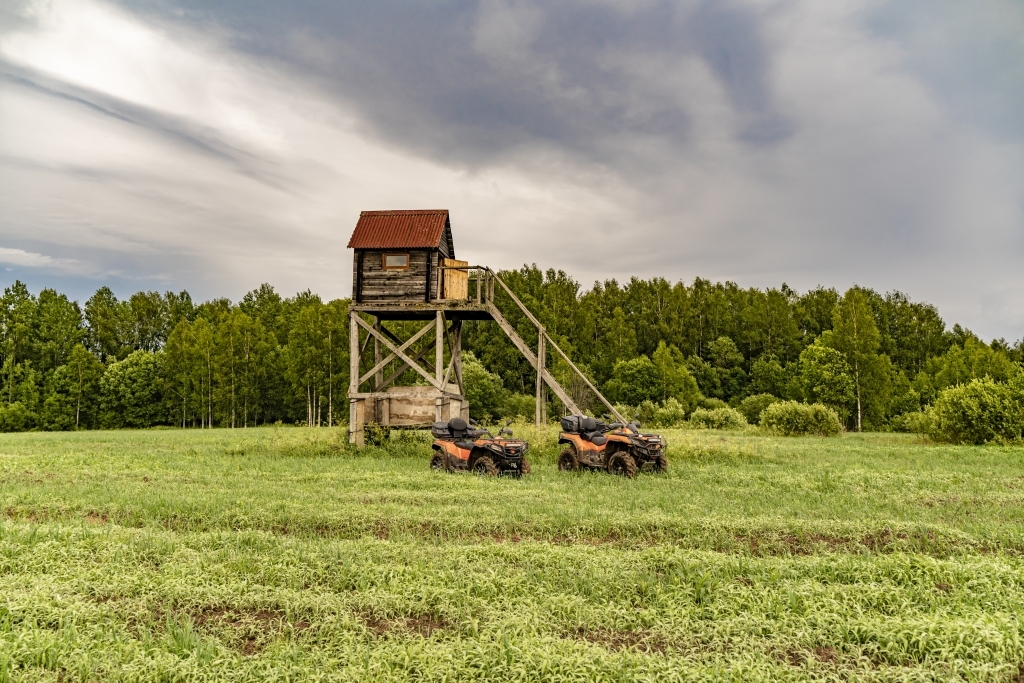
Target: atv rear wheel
{"x":660,"y":464}
{"x":622,"y":464}
{"x":567,"y":461}
{"x":485,"y":467}
{"x":437,"y":462}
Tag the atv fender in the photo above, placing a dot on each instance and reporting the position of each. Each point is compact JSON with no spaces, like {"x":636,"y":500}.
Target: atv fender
{"x":475,"y":454}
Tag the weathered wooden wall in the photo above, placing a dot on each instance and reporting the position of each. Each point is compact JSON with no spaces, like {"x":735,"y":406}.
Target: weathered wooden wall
{"x":414,"y":406}
{"x":372,"y":284}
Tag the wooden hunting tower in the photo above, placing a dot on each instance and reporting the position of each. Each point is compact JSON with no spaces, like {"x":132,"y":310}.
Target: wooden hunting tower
{"x":404,"y":269}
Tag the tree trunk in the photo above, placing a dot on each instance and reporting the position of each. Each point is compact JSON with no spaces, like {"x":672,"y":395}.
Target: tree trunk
{"x":78,"y":401}
{"x":330,"y":379}
{"x":856,"y":374}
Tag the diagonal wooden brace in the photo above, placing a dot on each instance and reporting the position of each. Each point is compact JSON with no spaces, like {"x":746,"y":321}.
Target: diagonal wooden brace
{"x":418,"y":357}
{"x":384,"y":363}
{"x":532,"y":358}
{"x":398,"y":352}
{"x":398,"y":373}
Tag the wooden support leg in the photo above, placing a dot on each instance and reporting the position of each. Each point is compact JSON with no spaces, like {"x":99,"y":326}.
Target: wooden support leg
{"x":439,"y":347}
{"x":439,"y":361}
{"x":539,"y":412}
{"x":355,"y":426}
{"x":359,"y":412}
{"x":544,"y":387}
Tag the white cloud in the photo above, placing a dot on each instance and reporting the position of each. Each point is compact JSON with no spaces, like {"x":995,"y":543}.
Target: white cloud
{"x":20,"y":257}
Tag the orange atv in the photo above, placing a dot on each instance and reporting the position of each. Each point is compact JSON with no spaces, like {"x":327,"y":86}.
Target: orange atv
{"x":458,"y":447}
{"x":618,"y":448}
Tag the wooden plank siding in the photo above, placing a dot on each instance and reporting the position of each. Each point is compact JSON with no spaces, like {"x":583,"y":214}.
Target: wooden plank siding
{"x":372,"y":284}
{"x":456,"y":282}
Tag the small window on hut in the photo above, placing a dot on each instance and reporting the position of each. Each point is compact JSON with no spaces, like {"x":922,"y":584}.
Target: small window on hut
{"x":396,"y":261}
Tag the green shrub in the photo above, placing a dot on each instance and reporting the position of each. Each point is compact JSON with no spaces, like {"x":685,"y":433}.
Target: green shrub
{"x":518,"y":405}
{"x":483,"y":389}
{"x":790,"y":418}
{"x":978,"y":412}
{"x":752,"y":406}
{"x":376,"y":434}
{"x":916,"y":422}
{"x":15,"y":417}
{"x":669,"y":414}
{"x":646,"y":412}
{"x":713,"y":404}
{"x":719,"y":418}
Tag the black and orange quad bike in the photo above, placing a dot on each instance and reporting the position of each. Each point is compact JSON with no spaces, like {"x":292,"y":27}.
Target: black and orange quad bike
{"x":616,"y":448}
{"x":459,"y":447}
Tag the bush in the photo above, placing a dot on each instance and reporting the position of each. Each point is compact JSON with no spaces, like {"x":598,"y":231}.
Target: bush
{"x":978,"y":412}
{"x":483,"y":389}
{"x":669,"y":414}
{"x":376,"y":434}
{"x":518,"y":405}
{"x":790,"y":418}
{"x":15,"y":417}
{"x":719,"y":418}
{"x":916,"y":422}
{"x":713,"y":404}
{"x":752,"y":406}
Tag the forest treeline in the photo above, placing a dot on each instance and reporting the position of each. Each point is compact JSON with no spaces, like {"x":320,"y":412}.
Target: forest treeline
{"x":871,"y":357}
{"x":162,"y":359}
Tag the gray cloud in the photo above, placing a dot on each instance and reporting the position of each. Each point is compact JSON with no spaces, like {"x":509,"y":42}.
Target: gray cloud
{"x":473,"y":81}
{"x":762,"y":142}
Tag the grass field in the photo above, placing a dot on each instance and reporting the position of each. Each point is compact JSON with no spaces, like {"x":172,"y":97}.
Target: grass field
{"x":276,"y":554}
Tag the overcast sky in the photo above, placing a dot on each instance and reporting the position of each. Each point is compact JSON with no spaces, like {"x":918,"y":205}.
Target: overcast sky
{"x":212,"y":146}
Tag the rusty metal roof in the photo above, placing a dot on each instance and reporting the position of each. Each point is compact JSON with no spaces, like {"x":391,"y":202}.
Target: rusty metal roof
{"x":422,"y":229}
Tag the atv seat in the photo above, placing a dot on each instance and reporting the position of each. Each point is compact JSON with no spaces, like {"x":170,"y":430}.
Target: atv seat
{"x":458,"y":428}
{"x":592,"y":430}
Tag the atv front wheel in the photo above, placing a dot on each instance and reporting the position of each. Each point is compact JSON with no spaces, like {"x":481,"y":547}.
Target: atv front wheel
{"x":660,"y":464}
{"x":524,"y":467}
{"x":622,"y":464}
{"x":485,"y":467}
{"x":437,"y":462}
{"x":567,"y":461}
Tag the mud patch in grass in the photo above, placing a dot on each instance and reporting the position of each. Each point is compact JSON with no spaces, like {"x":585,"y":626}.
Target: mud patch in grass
{"x":245,"y":630}
{"x":424,"y":625}
{"x":616,"y":641}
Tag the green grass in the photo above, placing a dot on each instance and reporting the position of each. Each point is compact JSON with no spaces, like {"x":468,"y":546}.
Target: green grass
{"x":278,"y":554}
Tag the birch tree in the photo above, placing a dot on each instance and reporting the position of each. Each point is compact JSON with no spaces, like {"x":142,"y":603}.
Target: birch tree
{"x":856,"y":336}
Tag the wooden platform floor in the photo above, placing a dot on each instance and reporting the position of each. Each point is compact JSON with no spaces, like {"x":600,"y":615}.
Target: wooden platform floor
{"x":453,"y":310}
